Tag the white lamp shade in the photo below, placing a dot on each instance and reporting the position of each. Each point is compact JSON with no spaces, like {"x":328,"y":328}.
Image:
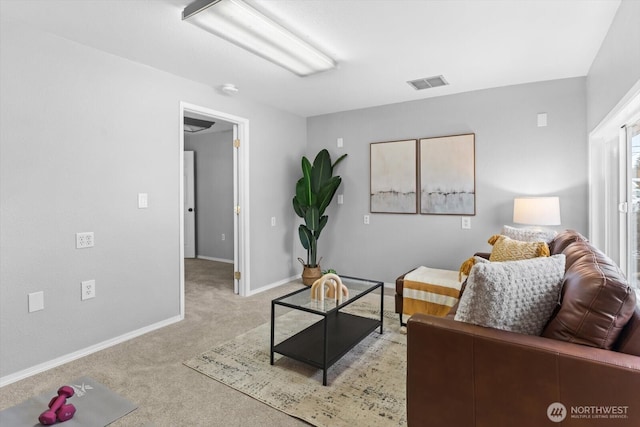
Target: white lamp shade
{"x":536,"y":210}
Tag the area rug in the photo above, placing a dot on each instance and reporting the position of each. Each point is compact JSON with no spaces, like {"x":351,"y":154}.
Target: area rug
{"x":95,"y":404}
{"x":364,"y":388}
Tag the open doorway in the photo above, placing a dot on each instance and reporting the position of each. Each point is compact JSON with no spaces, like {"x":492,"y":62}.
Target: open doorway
{"x":237,"y":129}
{"x":208,"y":189}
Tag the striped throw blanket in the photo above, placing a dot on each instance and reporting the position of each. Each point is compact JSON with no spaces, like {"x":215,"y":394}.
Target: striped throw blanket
{"x":430,"y":291}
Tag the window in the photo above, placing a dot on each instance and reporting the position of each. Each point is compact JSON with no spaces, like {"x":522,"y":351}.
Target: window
{"x":614,"y":187}
{"x":633,"y":207}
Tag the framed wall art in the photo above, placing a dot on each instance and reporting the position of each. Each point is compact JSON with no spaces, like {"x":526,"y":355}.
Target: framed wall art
{"x":447,"y":175}
{"x":394,"y":177}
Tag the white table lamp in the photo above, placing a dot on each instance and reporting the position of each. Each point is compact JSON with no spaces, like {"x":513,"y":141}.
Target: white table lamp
{"x":536,"y":210}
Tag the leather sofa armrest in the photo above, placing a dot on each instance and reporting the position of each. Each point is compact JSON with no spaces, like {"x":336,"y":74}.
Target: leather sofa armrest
{"x":495,"y":377}
{"x":399,"y":287}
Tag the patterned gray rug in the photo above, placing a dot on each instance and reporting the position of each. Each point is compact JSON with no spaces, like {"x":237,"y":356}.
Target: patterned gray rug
{"x":365,"y":388}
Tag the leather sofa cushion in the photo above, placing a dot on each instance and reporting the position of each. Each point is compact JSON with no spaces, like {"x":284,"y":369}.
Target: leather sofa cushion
{"x":564,"y":239}
{"x":596,"y":301}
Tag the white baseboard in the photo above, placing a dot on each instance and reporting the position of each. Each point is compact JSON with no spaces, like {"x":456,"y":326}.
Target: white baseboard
{"x":20,"y":375}
{"x":273,"y":285}
{"x":208,"y":258}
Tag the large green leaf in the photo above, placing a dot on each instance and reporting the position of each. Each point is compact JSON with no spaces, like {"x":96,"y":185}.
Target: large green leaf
{"x":306,"y":236}
{"x":305,"y":198}
{"x":341,"y":158}
{"x":321,"y":171}
{"x":326,"y":193}
{"x":312,"y":218}
{"x":306,"y":181}
{"x":298,"y":209}
{"x":321,"y":224}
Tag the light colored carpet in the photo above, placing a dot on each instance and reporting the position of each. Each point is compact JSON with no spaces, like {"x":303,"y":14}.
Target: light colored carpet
{"x":365,"y":388}
{"x":148,"y":370}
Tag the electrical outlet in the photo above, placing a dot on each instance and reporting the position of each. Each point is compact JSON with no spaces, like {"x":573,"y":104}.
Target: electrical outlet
{"x":465,"y":223}
{"x":88,"y":289}
{"x":84,"y":240}
{"x":366,"y":219}
{"x":223,"y":236}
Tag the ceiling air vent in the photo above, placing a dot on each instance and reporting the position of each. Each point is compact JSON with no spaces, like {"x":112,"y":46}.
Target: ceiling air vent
{"x":428,"y":82}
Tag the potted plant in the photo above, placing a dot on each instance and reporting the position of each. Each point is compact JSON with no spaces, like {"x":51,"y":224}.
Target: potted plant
{"x":314,"y":192}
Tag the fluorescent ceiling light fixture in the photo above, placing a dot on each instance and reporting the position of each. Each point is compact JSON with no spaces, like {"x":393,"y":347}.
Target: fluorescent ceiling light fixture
{"x":192,"y":125}
{"x":244,"y":26}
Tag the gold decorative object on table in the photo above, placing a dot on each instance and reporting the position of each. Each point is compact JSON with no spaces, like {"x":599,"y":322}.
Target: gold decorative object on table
{"x":334,"y":288}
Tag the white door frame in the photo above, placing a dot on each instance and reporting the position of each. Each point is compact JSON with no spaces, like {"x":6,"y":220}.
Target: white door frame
{"x":240,"y":190}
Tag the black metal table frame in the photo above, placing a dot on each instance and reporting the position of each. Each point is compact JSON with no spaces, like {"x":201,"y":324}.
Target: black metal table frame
{"x":366,"y":326}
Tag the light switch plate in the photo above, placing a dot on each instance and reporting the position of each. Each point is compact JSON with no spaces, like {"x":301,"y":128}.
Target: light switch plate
{"x":36,"y":301}
{"x":542,"y":120}
{"x":143,"y":200}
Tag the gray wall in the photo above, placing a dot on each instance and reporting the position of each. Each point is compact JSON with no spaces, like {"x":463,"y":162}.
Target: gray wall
{"x":214,"y":193}
{"x":82,"y":133}
{"x":513,"y":157}
{"x":616,"y":68}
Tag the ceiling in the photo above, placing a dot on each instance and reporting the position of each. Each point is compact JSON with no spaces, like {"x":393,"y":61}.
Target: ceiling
{"x":378,"y":44}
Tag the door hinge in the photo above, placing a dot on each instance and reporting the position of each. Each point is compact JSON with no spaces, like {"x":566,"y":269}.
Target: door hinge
{"x":236,"y":143}
{"x":237,"y":210}
{"x":237,"y":275}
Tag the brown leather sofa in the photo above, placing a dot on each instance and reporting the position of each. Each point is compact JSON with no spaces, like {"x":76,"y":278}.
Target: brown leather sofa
{"x":587,"y":359}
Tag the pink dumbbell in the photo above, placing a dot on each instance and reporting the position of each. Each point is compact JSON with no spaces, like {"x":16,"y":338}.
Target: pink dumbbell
{"x":59,"y":409}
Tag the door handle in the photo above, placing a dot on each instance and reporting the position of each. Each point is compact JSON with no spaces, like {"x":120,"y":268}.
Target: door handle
{"x":190,"y":209}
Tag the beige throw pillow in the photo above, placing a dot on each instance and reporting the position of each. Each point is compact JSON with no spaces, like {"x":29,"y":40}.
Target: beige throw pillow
{"x":506,"y":249}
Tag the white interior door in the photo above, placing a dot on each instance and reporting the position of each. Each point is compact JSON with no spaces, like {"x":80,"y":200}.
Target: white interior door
{"x":189,"y":206}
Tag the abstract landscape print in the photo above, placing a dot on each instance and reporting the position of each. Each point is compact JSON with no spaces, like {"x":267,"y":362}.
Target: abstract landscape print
{"x":447,"y":175}
{"x":394,"y":177}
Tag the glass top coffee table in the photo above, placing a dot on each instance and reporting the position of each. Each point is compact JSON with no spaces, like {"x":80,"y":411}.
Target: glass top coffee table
{"x":323,"y":343}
